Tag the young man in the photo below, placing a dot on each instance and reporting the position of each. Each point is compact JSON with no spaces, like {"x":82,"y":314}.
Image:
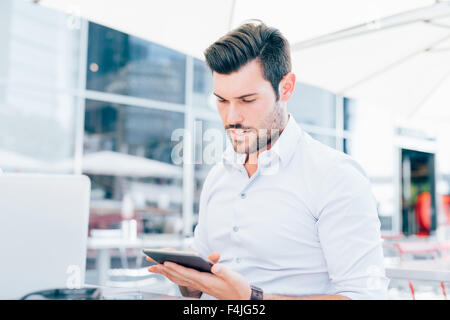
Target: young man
{"x":282,"y":216}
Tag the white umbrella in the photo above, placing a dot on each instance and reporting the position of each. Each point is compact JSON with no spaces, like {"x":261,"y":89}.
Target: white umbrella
{"x":120,"y":164}
{"x":399,"y":62}
{"x":190,"y":26}
{"x":393,"y":53}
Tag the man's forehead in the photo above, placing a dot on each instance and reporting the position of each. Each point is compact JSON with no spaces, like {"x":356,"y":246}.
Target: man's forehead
{"x":248,"y":79}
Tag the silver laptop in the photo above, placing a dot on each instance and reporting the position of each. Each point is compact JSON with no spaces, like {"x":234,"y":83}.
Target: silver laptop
{"x":43,"y":232}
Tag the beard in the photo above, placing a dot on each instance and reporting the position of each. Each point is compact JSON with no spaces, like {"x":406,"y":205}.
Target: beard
{"x":260,"y":138}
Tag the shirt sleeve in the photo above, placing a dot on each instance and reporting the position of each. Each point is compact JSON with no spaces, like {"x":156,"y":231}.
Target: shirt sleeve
{"x":349,"y":231}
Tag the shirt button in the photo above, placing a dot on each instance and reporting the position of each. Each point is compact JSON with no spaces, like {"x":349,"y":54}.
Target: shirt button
{"x":238,"y":260}
{"x":235,"y":228}
{"x":243,"y":195}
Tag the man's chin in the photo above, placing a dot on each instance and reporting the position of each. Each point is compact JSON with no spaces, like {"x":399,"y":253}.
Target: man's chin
{"x":240,"y":148}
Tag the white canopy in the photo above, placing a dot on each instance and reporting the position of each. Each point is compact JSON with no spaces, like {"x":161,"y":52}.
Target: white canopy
{"x":392,"y":53}
{"x":400,"y":62}
{"x":190,"y":26}
{"x":120,"y":164}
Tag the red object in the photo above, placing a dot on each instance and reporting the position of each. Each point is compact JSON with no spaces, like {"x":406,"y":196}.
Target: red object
{"x":393,"y":236}
{"x":411,"y":287}
{"x":422,"y":209}
{"x":446,"y":207}
{"x":417,"y":248}
{"x":443,"y":290}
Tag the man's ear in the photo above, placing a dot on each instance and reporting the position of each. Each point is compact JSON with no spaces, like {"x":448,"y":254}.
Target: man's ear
{"x":286,"y":87}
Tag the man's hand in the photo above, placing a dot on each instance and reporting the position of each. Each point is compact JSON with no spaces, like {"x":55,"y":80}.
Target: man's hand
{"x":223,"y":283}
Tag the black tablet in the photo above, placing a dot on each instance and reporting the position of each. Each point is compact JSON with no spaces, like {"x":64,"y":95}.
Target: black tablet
{"x":186,"y":259}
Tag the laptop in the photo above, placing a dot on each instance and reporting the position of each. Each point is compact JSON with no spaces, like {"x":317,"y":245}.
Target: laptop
{"x":43,"y":232}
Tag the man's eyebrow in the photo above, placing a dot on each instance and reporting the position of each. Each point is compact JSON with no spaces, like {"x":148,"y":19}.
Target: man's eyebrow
{"x":240,"y":97}
{"x":218,"y":96}
{"x":246,"y":95}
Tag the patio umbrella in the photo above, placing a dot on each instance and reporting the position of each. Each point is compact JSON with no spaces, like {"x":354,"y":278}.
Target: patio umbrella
{"x":392,"y":53}
{"x":400,"y":62}
{"x":119,"y":164}
{"x":190,"y":26}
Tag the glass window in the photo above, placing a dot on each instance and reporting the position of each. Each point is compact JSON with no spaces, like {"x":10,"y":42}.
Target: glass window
{"x":128,"y":156}
{"x":383,"y":190}
{"x":123,"y":64}
{"x":38,"y":46}
{"x":313,"y":106}
{"x":40,"y":52}
{"x":132,"y":130}
{"x":202,"y":85}
{"x":210,"y":142}
{"x":348,"y":145}
{"x":37,"y":130}
{"x":350,"y":109}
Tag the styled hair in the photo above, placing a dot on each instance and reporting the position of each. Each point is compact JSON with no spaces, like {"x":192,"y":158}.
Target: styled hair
{"x":248,"y":42}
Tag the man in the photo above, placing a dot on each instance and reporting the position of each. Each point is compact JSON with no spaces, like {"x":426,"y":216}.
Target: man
{"x":282,"y":216}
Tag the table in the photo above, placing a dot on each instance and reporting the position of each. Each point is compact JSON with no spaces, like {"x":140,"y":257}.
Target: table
{"x":106,"y":293}
{"x":429,"y":270}
{"x":109,"y":293}
{"x":103,"y":246}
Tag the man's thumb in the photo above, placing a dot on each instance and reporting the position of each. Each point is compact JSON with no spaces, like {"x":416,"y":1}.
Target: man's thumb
{"x":218,"y":270}
{"x":226,"y":274}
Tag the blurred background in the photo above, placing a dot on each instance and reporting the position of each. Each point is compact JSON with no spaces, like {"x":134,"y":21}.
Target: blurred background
{"x":100,"y":88}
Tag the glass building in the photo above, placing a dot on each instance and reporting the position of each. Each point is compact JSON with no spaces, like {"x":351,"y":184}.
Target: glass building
{"x":139,"y":119}
{"x":84,"y":95}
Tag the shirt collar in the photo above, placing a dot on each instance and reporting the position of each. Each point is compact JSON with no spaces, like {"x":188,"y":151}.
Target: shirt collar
{"x":283,"y":149}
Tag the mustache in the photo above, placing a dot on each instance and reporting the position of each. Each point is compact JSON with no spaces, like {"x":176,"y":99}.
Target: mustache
{"x":237,"y":126}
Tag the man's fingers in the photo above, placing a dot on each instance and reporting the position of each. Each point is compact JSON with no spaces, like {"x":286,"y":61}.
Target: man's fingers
{"x":149,"y":259}
{"x":178,"y":278}
{"x":225,"y":273}
{"x":169,"y":274}
{"x":181,"y":271}
{"x":154,"y":269}
{"x":219,"y":270}
{"x":214,"y":257}
{"x":195,"y":278}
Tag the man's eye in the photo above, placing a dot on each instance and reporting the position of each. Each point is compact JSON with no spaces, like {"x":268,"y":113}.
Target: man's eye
{"x":221,"y":101}
{"x":248,"y":101}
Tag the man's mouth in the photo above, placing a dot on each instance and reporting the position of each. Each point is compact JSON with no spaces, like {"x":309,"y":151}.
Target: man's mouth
{"x":239,"y":134}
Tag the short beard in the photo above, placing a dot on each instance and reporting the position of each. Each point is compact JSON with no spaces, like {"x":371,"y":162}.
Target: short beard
{"x":273,"y":124}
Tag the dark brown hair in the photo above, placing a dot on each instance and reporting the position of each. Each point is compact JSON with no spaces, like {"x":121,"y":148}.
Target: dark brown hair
{"x":248,"y":42}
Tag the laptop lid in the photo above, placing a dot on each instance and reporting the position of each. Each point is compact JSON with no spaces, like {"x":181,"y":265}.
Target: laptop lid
{"x":43,"y":232}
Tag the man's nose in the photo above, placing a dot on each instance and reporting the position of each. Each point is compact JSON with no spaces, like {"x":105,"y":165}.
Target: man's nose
{"x":234,"y":115}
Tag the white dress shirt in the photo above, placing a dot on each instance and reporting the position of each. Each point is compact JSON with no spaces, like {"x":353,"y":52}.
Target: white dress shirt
{"x":304,"y":224}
